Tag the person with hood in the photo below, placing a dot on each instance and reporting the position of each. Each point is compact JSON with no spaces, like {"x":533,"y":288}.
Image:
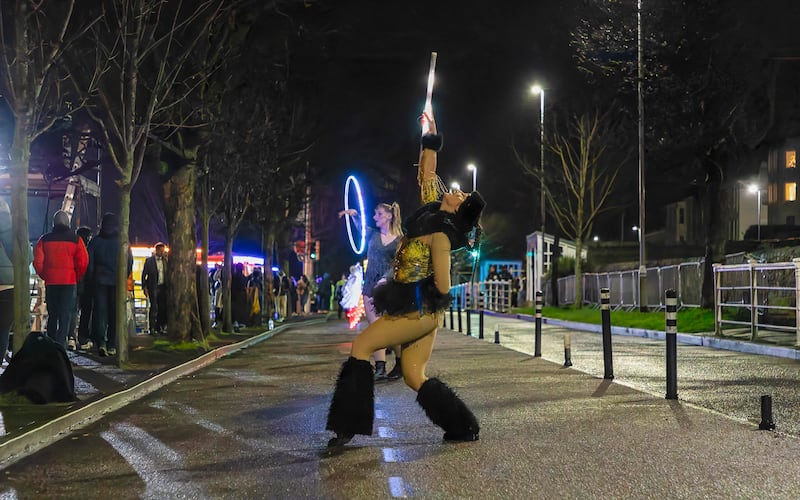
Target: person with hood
{"x":103,"y":252}
{"x":60,"y":259}
{"x":412,"y":302}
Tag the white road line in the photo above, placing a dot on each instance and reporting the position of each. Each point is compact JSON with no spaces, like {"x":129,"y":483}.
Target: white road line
{"x":386,"y":432}
{"x":389,"y":455}
{"x":155,"y":463}
{"x":10,"y":494}
{"x":398,"y":488}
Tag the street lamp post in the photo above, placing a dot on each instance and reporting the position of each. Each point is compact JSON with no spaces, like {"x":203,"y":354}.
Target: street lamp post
{"x":539,"y":90}
{"x":474,"y":170}
{"x":754,"y":188}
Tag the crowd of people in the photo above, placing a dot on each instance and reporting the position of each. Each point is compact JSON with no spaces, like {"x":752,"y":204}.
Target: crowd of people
{"x":79,"y":271}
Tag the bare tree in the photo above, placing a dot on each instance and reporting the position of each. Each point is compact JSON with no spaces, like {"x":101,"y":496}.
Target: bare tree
{"x":578,"y":191}
{"x":34,"y":37}
{"x":140,"y":49}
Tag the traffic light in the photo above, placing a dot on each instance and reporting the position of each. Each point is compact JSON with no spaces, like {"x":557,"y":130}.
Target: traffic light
{"x":315,"y":251}
{"x":474,"y":253}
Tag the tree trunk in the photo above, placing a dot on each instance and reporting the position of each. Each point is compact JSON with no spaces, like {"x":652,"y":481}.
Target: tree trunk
{"x":554,"y":255}
{"x":20,"y":155}
{"x":227,"y":272}
{"x":205,"y":296}
{"x":712,"y":239}
{"x":121,"y":326}
{"x":578,"y":274}
{"x":183,"y":317}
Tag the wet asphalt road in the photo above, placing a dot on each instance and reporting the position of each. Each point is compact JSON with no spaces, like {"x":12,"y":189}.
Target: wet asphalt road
{"x":252,"y":426}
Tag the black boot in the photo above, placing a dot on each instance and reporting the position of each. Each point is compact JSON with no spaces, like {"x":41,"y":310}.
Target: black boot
{"x":380,"y":370}
{"x":353,"y":405}
{"x":446,"y":410}
{"x":397,"y":371}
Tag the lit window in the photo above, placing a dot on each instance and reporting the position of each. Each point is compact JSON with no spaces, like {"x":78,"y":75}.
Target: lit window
{"x":791,"y":159}
{"x":790,"y":191}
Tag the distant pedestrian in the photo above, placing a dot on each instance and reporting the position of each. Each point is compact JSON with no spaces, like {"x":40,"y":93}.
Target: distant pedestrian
{"x":154,"y":285}
{"x":325,"y":292}
{"x":103,"y":252}
{"x":60,"y":259}
{"x":85,"y":300}
{"x":338,"y":292}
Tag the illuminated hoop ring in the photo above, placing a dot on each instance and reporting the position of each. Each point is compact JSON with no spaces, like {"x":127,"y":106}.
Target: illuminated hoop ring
{"x":363,"y":220}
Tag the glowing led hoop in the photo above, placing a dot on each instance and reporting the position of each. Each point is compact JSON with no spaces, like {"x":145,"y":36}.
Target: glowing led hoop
{"x":363,"y":220}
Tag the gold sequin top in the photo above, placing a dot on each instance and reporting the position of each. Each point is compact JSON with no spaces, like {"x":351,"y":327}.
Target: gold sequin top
{"x":412,"y":262}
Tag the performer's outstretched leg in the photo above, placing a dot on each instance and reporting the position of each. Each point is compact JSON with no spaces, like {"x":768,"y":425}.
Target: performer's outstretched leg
{"x":446,"y":410}
{"x":353,"y":405}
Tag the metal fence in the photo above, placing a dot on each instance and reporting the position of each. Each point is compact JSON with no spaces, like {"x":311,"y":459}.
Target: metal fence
{"x":757,"y":296}
{"x":488,"y":295}
{"x":686,"y":278}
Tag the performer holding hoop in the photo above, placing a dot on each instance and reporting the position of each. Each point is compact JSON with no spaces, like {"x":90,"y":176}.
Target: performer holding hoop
{"x":381,"y":247}
{"x":413,"y":301}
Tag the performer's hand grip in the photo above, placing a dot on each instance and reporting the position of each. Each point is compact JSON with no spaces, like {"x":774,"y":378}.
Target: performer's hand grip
{"x":433,"y":142}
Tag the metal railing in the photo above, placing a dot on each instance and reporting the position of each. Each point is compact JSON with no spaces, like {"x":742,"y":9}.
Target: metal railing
{"x":754,"y":296}
{"x":686,"y":278}
{"x":488,"y":295}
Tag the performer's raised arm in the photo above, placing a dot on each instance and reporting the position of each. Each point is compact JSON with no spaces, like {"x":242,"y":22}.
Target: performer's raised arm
{"x":431,"y":186}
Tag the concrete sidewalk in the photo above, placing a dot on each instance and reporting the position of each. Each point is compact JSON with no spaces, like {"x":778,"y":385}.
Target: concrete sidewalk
{"x":103,"y":387}
{"x":768,"y":343}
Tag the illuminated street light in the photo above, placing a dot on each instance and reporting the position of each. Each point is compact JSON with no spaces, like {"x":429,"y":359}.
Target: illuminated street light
{"x":539,"y":90}
{"x":455,"y":185}
{"x":474,"y":170}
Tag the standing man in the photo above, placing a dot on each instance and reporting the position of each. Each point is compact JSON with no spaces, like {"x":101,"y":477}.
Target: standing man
{"x":103,"y":257}
{"x":154,"y":285}
{"x":60,"y":259}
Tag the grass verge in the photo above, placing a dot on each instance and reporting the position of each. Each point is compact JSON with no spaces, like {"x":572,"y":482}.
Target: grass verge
{"x":690,"y":320}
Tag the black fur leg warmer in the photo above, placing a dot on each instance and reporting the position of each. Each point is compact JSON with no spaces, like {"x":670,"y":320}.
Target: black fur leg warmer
{"x":446,"y":410}
{"x":353,"y":405}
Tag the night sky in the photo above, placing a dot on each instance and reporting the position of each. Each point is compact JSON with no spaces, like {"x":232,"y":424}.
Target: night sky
{"x":488,"y":57}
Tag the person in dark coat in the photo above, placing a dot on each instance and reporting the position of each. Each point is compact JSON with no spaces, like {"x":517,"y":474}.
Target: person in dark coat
{"x":84,"y":309}
{"x":154,"y":285}
{"x":103,"y":252}
{"x":240,"y":313}
{"x":60,"y":259}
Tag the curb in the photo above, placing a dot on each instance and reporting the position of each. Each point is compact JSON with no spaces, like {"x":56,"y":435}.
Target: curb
{"x":35,"y":439}
{"x":684,"y":338}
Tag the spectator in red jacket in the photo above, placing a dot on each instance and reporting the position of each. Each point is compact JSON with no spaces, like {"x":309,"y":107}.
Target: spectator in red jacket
{"x":60,"y":259}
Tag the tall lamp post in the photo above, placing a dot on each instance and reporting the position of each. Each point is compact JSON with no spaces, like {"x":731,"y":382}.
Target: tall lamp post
{"x":539,"y":90}
{"x":755,"y":188}
{"x":474,"y":170}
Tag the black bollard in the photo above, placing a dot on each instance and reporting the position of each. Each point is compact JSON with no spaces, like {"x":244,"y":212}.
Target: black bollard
{"x":469,"y":321}
{"x":497,"y":334}
{"x":480,"y":325}
{"x":672,"y":343}
{"x":452,"y":325}
{"x":567,"y":350}
{"x":459,"y":317}
{"x":766,"y":414}
{"x":605,"y":318}
{"x":537,"y":343}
